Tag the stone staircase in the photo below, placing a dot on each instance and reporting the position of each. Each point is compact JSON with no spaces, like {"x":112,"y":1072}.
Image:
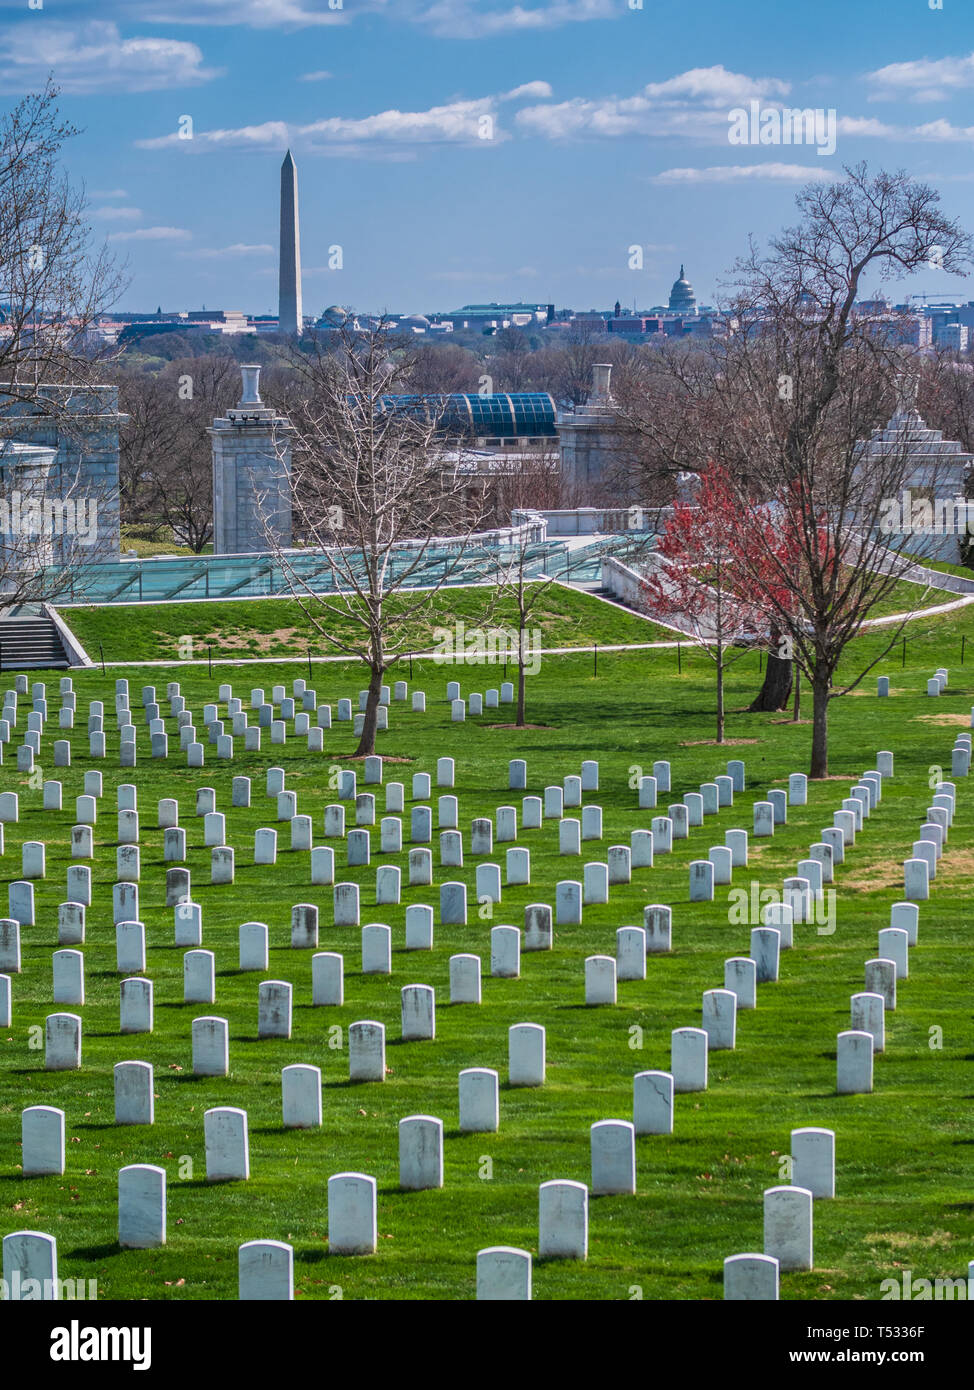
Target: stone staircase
{"x":30,"y":643}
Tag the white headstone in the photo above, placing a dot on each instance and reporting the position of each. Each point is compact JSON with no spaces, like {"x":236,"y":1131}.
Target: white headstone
{"x":274,"y":1009}
{"x":613,"y":1152}
{"x":658,"y":922}
{"x":419,"y":927}
{"x":788,"y":1226}
{"x":600,"y":980}
{"x":30,"y":1266}
{"x":134,"y":1103}
{"x":868,"y":1015}
{"x":766,"y":953}
{"x":42,"y":1141}
{"x":631,"y":953}
{"x":418,"y":1012}
{"x":265,"y":1271}
{"x":465,"y":979}
{"x":503,"y":1272}
{"x":367,"y":1051}
{"x":420,"y":1153}
{"x":199,"y":977}
{"x":62,"y":1042}
{"x":130,"y":948}
{"x":227,"y":1144}
{"x":740,"y":977}
{"x":751,"y":1278}
{"x":813,"y":1157}
{"x":479,"y":1100}
{"x":135,"y":1006}
{"x":720,"y":1018}
{"x":69,"y":977}
{"x":562,"y":1220}
{"x":688,"y":1059}
{"x":376,"y":949}
{"x":854,"y":1063}
{"x":327,"y":979}
{"x":301,"y":1097}
{"x":352,"y":1228}
{"x":211,"y":1046}
{"x":526,"y":1054}
{"x":652,"y":1102}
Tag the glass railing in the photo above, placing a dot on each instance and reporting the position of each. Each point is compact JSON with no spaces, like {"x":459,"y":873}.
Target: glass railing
{"x":252,"y":576}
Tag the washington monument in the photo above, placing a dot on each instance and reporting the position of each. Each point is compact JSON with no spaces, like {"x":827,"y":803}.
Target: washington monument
{"x":290,"y":319}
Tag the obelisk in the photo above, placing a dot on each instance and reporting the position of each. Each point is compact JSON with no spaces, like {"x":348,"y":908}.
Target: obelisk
{"x":289,"y":286}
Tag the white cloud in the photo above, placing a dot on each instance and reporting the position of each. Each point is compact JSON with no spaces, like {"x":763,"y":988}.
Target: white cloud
{"x":943,"y":130}
{"x":865,"y":125}
{"x":270,"y":135}
{"x":314,"y":77}
{"x":467,"y":19}
{"x":93,"y":57}
{"x":539,"y":90}
{"x":255,"y":14}
{"x":743,"y":173}
{"x":109,"y":193}
{"x":239,"y":248}
{"x":152,"y":234}
{"x":463,"y":19}
{"x":692,"y":105}
{"x":117,"y":214}
{"x":459,"y":122}
{"x":924,"y":79}
{"x":714,"y":86}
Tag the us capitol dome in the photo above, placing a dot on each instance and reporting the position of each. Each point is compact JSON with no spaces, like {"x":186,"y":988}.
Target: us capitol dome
{"x":682,"y":298}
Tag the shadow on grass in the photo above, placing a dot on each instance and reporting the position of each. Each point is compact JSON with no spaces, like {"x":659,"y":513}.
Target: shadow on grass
{"x":94,"y":1252}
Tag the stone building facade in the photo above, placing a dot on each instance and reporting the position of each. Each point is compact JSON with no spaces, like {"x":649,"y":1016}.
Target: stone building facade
{"x":80,"y":424}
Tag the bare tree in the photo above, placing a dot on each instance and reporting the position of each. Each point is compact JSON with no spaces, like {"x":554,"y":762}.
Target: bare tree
{"x":786,"y":400}
{"x":582,"y":346}
{"x":51,"y":293}
{"x":510,"y":366}
{"x":526,"y":477}
{"x":444,"y":367}
{"x":516,"y":583}
{"x":811,"y":378}
{"x":52,"y":290}
{"x":149,"y":433}
{"x":166,"y":457}
{"x":376,"y":491}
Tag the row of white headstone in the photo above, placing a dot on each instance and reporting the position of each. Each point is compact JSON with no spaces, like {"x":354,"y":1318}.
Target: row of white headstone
{"x":788,"y":1243}
{"x":195,"y":753}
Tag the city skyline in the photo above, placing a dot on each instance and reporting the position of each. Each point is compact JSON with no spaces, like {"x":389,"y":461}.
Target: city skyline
{"x":481,"y":151}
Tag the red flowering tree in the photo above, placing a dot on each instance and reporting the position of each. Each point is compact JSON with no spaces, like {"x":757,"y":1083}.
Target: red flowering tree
{"x":698,"y":582}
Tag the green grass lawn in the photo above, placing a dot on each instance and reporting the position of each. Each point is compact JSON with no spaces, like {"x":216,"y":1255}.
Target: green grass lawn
{"x":906,"y":597}
{"x":147,"y":542}
{"x":903,"y":1153}
{"x":564,"y":616}
{"x":944,"y":566}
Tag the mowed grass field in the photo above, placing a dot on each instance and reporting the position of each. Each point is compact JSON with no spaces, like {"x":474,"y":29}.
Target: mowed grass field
{"x":905,"y":1178}
{"x":254,"y":628}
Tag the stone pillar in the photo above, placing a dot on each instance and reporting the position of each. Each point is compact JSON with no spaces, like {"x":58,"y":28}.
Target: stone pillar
{"x":251,"y":475}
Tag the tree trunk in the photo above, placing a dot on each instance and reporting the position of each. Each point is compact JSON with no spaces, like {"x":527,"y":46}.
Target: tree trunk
{"x":366,"y":744}
{"x":720,"y":696}
{"x":776,"y":689}
{"x":797,"y":709}
{"x":522,"y":638}
{"x":820,"y":725}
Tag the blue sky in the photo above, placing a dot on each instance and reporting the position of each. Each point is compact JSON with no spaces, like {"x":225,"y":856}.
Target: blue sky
{"x":473,"y":150}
